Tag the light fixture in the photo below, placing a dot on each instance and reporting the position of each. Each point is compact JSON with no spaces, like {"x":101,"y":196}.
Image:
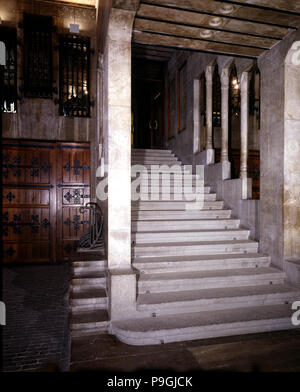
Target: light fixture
{"x":74,"y":28}
{"x":226,"y":8}
{"x":215,"y":21}
{"x":206,"y":33}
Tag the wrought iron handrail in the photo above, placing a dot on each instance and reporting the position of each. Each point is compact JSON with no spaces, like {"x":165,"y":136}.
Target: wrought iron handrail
{"x":92,"y":237}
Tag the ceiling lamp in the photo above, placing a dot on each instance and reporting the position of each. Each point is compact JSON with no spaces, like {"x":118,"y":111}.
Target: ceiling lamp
{"x":215,"y":21}
{"x":206,"y":33}
{"x":226,"y":8}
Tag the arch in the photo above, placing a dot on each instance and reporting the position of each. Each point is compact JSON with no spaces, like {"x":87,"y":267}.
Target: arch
{"x":291,"y":199}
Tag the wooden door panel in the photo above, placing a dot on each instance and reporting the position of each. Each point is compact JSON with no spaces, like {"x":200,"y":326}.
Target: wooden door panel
{"x":26,"y":197}
{"x":29,"y":201}
{"x":44,"y":185}
{"x":73,"y":191}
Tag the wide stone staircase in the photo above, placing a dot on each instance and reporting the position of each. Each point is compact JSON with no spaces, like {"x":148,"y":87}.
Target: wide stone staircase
{"x":199,"y":274}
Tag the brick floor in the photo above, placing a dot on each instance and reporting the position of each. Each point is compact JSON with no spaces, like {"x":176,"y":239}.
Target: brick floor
{"x":36,"y":334}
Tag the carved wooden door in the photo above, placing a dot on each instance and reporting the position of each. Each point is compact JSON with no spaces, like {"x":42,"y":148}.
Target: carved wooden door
{"x":44,"y":185}
{"x":73,"y":192}
{"x":29,"y":208}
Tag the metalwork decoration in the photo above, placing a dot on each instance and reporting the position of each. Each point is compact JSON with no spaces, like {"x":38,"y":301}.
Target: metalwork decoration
{"x":93,"y":236}
{"x":77,"y":167}
{"x":74,"y":76}
{"x":34,"y":172}
{"x":76,"y":222}
{"x":10,"y":196}
{"x":10,"y":251}
{"x":16,"y":223}
{"x":34,"y":161}
{"x":76,"y":196}
{"x":69,"y":248}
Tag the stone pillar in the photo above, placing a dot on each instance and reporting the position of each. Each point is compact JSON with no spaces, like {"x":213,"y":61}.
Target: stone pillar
{"x":209,"y":152}
{"x":244,"y":123}
{"x":209,"y":103}
{"x":225,"y":114}
{"x":117,"y":124}
{"x":118,"y":79}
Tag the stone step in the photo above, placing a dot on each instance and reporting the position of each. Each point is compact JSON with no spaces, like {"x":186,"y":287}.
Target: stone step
{"x":166,"y":264}
{"x":151,"y":151}
{"x":187,"y":236}
{"x":154,"y":160}
{"x":215,"y":299}
{"x":82,"y":282}
{"x":173,"y":205}
{"x":187,"y":224}
{"x":203,"y":325}
{"x":195,"y":248}
{"x":179,"y":214}
{"x":148,"y":188}
{"x":97,"y":264}
{"x":96,"y":320}
{"x":180,"y":281}
{"x":90,"y":298}
{"x":148,"y":196}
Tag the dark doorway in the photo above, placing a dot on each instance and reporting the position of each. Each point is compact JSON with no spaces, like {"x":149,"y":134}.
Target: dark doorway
{"x":147,"y":104}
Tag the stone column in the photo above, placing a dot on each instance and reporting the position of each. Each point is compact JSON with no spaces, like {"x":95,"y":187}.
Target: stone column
{"x":117,"y":80}
{"x":244,"y":123}
{"x":209,"y":151}
{"x":209,"y":102}
{"x":225,"y":114}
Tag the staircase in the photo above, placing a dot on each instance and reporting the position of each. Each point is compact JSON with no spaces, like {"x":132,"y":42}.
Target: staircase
{"x":88,"y":299}
{"x":199,"y":274}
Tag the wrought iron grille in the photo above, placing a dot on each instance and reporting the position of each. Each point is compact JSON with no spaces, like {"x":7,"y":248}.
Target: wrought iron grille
{"x":93,"y":237}
{"x":216,"y":116}
{"x":254,"y":94}
{"x":38,"y":56}
{"x":74,"y":77}
{"x":9,"y":72}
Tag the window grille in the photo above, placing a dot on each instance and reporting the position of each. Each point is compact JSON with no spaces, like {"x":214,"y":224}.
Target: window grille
{"x":9,"y":71}
{"x":38,"y":56}
{"x":74,"y":78}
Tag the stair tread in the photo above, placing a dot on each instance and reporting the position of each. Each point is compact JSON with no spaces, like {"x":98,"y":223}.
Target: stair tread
{"x":210,"y":274}
{"x":155,"y":259}
{"x":215,"y":293}
{"x":185,"y":244}
{"x":205,"y":318}
{"x":240,"y":230}
{"x":91,"y":316}
{"x":90,"y":274}
{"x":89,"y":293}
